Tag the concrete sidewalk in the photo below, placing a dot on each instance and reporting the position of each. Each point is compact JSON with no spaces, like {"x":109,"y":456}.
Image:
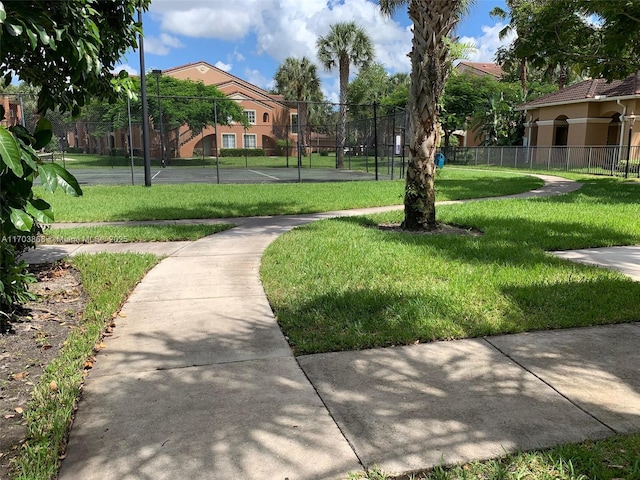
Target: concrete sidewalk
{"x":199,"y":382}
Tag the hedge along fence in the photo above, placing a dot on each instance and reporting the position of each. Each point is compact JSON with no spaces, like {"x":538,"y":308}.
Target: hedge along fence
{"x":241,"y":152}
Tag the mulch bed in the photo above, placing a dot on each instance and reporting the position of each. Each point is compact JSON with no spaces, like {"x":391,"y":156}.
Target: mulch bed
{"x":34,"y":338}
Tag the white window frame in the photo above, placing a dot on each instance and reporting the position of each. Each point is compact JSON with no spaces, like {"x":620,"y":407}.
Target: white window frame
{"x":255,"y":140}
{"x":229,"y":135}
{"x":294,"y":127}
{"x":249,"y":114}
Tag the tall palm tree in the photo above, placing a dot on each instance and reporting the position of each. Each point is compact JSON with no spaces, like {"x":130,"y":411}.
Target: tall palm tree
{"x":297,"y":79}
{"x":345,"y":44}
{"x":433,"y":21}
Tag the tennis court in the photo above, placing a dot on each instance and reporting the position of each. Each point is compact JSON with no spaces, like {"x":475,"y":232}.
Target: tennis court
{"x":211,"y":174}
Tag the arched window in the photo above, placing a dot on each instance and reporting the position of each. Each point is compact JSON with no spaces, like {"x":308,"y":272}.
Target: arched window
{"x":265,"y":117}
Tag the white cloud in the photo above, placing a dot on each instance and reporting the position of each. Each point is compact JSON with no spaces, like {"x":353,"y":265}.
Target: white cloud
{"x":161,"y":45}
{"x":284,"y":28}
{"x":488,"y":43}
{"x":127,"y":68}
{"x":257,"y":78}
{"x":224,"y":66}
{"x":237,"y":56}
{"x":222,"y":19}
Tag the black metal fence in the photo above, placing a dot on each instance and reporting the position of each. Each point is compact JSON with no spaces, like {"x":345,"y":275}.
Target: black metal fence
{"x":598,"y":160}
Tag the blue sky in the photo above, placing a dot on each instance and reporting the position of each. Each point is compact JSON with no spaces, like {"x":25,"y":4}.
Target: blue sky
{"x":251,"y":38}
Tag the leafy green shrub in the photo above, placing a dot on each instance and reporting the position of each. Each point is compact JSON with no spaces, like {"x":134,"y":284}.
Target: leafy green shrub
{"x":282,"y":146}
{"x":117,"y":152}
{"x":21,"y":213}
{"x":241,"y":152}
{"x":75,"y":150}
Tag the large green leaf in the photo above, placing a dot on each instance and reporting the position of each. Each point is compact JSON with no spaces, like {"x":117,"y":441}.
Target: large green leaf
{"x":3,"y":13}
{"x":40,"y":210}
{"x":21,"y":220}
{"x":14,"y":30}
{"x":10,"y":152}
{"x":42,"y":133}
{"x":48,"y":177}
{"x":53,"y":176}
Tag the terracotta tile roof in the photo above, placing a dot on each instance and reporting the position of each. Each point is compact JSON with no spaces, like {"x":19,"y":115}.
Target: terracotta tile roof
{"x":482,"y":68}
{"x":589,"y":90}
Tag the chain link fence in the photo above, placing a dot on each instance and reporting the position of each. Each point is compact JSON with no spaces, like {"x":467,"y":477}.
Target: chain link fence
{"x":276,"y":135}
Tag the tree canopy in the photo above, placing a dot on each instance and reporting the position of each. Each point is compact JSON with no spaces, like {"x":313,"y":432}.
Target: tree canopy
{"x":374,"y":84}
{"x":561,"y":37}
{"x":67,"y":50}
{"x":68,"y":47}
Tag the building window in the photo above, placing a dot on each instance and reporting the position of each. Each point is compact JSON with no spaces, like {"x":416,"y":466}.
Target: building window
{"x":265,"y":118}
{"x":294,"y":123}
{"x":228,"y":140}
{"x":250,"y":140}
{"x":251,"y":116}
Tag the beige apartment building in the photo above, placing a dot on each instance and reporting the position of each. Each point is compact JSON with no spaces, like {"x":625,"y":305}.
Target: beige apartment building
{"x":589,"y":113}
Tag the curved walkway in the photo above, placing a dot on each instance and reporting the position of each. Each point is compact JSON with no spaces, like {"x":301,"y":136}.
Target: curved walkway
{"x":199,"y":382}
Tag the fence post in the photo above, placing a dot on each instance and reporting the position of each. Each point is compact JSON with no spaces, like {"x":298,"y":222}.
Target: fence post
{"x":375,"y":134}
{"x":589,"y":160}
{"x":215,"y":132}
{"x":568,"y":158}
{"x":299,"y":146}
{"x":130,"y":138}
{"x":515,"y":160}
{"x":476,"y":149}
{"x":145,"y":112}
{"x":393,"y":142}
{"x":549,"y":159}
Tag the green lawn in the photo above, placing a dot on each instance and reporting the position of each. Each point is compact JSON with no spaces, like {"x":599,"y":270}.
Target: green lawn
{"x":128,"y":234}
{"x":170,"y":202}
{"x":344,"y":284}
{"x":615,"y":458}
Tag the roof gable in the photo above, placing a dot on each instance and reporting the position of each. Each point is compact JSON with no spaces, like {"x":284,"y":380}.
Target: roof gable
{"x":212,"y":75}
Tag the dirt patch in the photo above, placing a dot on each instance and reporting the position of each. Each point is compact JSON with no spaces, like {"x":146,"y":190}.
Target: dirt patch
{"x":34,"y":339}
{"x":443,"y":229}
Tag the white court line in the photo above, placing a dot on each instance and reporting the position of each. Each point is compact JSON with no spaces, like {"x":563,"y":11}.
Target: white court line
{"x":153,"y":178}
{"x":265,"y":175}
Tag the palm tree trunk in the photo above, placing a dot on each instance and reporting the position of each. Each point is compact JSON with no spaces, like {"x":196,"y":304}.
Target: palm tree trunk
{"x":429,"y":69}
{"x":342,"y":127}
{"x":563,"y":76}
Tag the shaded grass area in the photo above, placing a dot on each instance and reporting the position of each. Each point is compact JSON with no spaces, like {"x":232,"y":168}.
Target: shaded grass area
{"x":108,"y":279}
{"x":128,"y":234}
{"x":170,"y":202}
{"x":616,"y":457}
{"x":344,"y":284}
